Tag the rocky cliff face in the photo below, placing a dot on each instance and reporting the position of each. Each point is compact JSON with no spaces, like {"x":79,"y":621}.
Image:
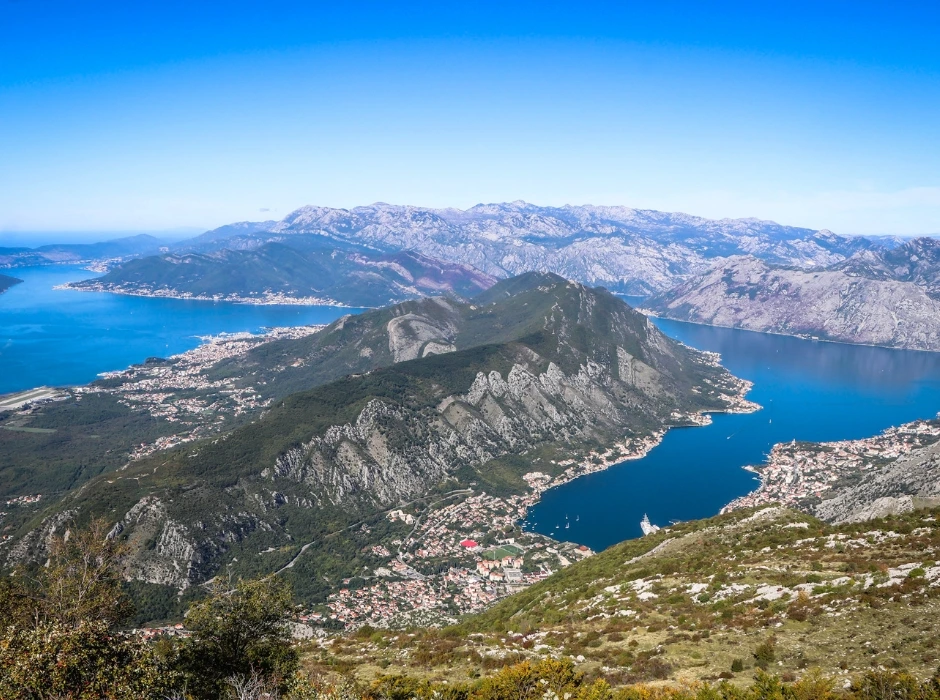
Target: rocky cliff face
{"x":628,"y":250}
{"x":916,"y":261}
{"x":831,"y":304}
{"x":912,"y":481}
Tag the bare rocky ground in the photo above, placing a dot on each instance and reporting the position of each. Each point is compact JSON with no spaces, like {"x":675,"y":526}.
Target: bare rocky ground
{"x":746,"y":293}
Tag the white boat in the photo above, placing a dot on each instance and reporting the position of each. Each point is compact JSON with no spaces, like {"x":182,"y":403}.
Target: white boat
{"x":647,"y":527}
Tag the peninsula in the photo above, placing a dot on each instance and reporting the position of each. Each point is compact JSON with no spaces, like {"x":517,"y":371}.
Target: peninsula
{"x":6,"y":282}
{"x":304,"y":272}
{"x":853,"y":480}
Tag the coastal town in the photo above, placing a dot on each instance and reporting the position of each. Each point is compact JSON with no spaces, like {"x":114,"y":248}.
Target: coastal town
{"x":461,"y":556}
{"x":178,"y":390}
{"x":465,"y":553}
{"x":266,"y":298}
{"x":798,"y":472}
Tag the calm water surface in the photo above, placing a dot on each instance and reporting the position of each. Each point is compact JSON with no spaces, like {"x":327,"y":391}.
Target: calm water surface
{"x":58,"y":337}
{"x":809,"y":391}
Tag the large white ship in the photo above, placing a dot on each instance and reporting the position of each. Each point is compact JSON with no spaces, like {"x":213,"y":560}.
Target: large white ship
{"x":647,"y":527}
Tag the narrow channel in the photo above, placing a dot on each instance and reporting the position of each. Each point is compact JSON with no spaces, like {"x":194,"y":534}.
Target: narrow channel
{"x":809,"y":390}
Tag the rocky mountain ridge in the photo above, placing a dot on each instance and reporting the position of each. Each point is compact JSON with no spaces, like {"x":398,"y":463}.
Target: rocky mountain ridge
{"x":916,"y":261}
{"x":277,"y":273}
{"x":837,"y":303}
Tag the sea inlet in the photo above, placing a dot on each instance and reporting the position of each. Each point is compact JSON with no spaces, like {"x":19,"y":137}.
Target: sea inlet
{"x":61,"y":337}
{"x":809,"y":390}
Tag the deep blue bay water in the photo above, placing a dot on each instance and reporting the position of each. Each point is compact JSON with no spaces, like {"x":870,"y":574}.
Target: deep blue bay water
{"x":809,"y":390}
{"x":61,"y":337}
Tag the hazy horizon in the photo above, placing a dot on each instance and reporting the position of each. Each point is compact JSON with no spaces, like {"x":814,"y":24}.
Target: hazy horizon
{"x":125,"y":117}
{"x":12,"y":239}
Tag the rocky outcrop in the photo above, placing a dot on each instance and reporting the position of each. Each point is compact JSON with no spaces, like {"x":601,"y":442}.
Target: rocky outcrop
{"x":393,"y":453}
{"x":746,"y":293}
{"x":415,"y":335}
{"x":912,"y":481}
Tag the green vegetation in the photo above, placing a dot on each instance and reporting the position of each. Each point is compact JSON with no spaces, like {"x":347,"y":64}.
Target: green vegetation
{"x":65,"y":444}
{"x":704,"y":601}
{"x":61,"y":628}
{"x":302,"y":267}
{"x":61,"y":633}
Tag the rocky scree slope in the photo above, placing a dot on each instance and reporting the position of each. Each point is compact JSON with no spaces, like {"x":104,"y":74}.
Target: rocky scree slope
{"x":911,"y":481}
{"x":705,"y":600}
{"x":276,"y":271}
{"x":831,"y":304}
{"x":535,"y":370}
{"x":632,"y":251}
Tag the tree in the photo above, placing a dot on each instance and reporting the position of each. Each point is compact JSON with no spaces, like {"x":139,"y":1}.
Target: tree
{"x":59,"y":629}
{"x":240,"y":633}
{"x":82,"y":580}
{"x":84,"y":662}
{"x":764,"y":654}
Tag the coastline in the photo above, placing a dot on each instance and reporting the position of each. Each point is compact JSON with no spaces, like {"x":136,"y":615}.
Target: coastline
{"x":796,"y":473}
{"x":438,"y":531}
{"x":267,"y":299}
{"x":632,"y":449}
{"x":397,"y":589}
{"x":813,"y":339}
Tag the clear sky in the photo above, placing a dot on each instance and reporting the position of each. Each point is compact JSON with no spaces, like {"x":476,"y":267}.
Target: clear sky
{"x":118,"y":116}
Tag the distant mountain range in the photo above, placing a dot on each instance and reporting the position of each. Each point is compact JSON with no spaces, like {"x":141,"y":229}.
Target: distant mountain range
{"x":626,"y":250}
{"x":887,"y":297}
{"x":119,"y":248}
{"x":632,"y":251}
{"x":6,"y":282}
{"x":276,"y":272}
{"x":743,"y":273}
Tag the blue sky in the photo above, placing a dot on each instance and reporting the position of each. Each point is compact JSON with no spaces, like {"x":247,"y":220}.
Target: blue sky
{"x":156,"y":115}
